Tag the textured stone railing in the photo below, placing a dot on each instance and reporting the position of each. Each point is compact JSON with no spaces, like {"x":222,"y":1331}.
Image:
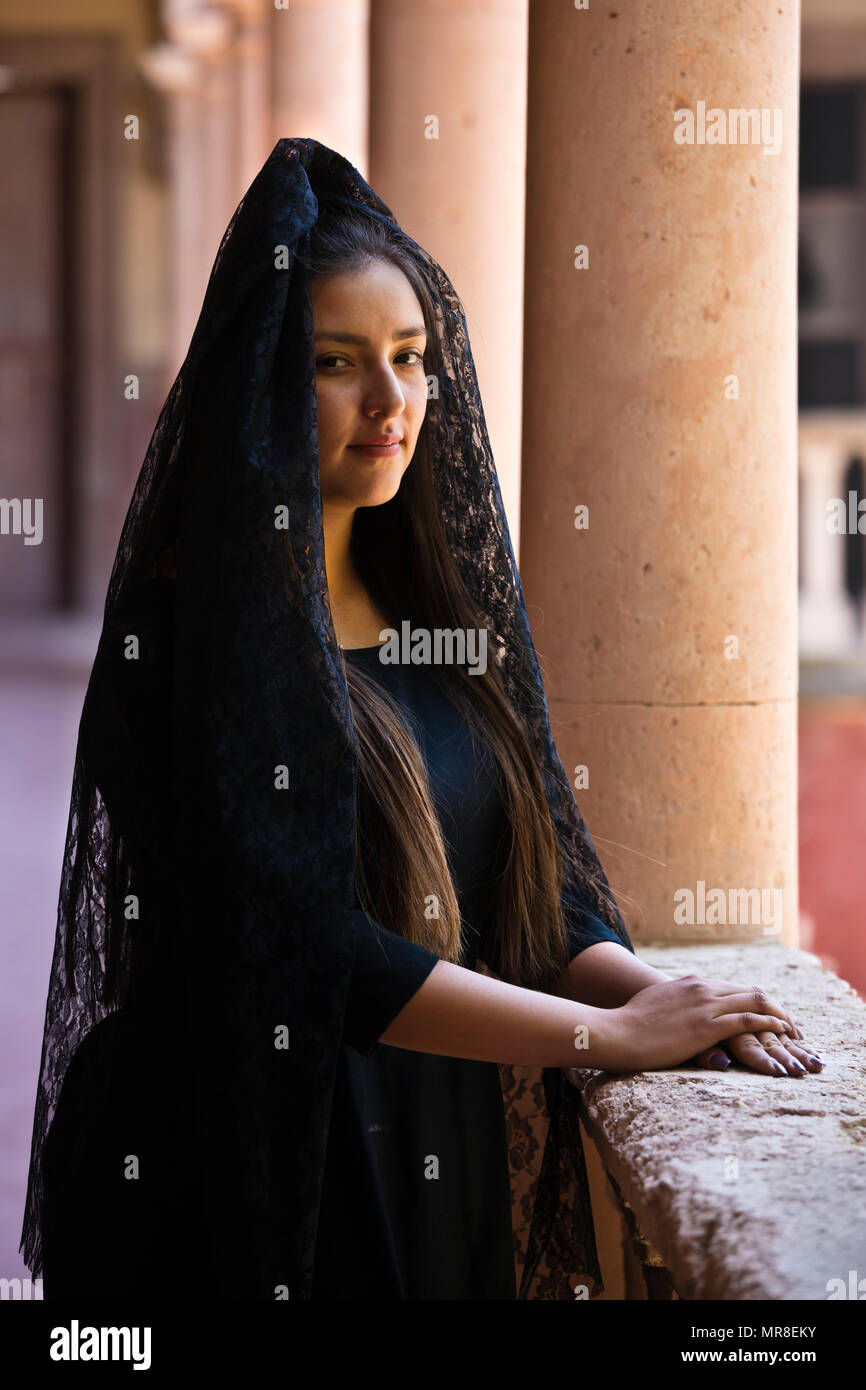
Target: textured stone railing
{"x":733,"y":1185}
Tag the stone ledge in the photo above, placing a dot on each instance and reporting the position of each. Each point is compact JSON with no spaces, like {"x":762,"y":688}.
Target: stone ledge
{"x":748,"y":1187}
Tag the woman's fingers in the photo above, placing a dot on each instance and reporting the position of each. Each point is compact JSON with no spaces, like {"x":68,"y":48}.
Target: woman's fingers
{"x":754,"y":1052}
{"x":762,"y":1011}
{"x":745,"y":1048}
{"x":726,"y":987}
{"x":713,"y":1058}
{"x":748,"y":1022}
{"x":796,"y":1058}
{"x":764,"y":1052}
{"x":806,"y":1054}
{"x":748,"y":1049}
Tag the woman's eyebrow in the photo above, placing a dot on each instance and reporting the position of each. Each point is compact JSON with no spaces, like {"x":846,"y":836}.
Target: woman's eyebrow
{"x":365,"y":342}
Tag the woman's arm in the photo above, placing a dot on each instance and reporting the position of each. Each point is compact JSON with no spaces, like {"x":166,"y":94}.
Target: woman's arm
{"x":606,"y":975}
{"x":460,"y":1013}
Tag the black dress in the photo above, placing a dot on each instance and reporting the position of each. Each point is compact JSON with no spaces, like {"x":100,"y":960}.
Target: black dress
{"x":416,"y":1200}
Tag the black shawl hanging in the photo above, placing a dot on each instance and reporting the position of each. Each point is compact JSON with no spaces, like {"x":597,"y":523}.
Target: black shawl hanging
{"x":202,"y":928}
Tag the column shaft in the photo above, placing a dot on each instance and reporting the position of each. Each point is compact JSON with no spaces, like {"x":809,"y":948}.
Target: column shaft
{"x":659,"y":392}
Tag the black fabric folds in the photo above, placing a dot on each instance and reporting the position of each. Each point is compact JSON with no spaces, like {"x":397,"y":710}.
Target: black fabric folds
{"x":203,"y":918}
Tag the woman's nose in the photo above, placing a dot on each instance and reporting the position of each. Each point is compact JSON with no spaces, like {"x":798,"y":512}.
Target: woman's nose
{"x":385,"y":395}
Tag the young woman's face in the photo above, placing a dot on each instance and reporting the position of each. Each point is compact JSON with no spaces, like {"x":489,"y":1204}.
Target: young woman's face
{"x":370,"y":382}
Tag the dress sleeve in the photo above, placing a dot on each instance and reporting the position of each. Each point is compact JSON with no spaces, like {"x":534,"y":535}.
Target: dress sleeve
{"x":584,"y":927}
{"x":387,"y":971}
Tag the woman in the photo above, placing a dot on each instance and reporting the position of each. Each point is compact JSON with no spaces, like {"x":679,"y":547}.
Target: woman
{"x":284,"y":852}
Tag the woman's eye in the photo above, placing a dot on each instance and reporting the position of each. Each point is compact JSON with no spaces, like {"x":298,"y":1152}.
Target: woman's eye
{"x":333,"y":358}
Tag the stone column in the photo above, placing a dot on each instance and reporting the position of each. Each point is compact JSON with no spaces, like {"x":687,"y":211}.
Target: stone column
{"x":659,"y":394}
{"x":251,"y":112}
{"x":220,"y":143}
{"x":319,"y":73}
{"x":174,"y":71}
{"x":447,"y":153}
{"x":194,"y":68}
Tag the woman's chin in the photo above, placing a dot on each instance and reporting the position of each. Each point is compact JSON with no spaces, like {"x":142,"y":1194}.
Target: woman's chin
{"x":378,"y":491}
{"x":369,"y":486}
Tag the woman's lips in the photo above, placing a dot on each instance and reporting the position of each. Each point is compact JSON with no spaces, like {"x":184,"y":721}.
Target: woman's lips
{"x":383,"y":451}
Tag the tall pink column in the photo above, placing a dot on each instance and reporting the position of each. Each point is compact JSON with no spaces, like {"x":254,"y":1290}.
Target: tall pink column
{"x":659,"y":395}
{"x":447,"y":153}
{"x":319,"y":73}
{"x":252,"y":58}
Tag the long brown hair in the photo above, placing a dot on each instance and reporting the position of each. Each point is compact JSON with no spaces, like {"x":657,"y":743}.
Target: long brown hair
{"x":402,"y":556}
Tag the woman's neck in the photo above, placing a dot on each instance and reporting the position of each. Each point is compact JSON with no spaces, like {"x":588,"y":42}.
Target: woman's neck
{"x":357,"y":619}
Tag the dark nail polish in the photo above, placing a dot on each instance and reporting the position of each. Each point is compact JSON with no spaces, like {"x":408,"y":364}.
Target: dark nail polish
{"x":720,"y":1061}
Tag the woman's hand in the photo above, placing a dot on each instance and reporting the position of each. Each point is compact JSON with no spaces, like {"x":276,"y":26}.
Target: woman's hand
{"x":768,"y":1053}
{"x":667,"y":1024}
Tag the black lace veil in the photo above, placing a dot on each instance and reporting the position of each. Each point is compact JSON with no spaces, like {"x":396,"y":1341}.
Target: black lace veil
{"x":207,"y":881}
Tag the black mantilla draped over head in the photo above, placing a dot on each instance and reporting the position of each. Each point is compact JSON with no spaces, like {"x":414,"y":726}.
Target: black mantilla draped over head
{"x":203,"y":921}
